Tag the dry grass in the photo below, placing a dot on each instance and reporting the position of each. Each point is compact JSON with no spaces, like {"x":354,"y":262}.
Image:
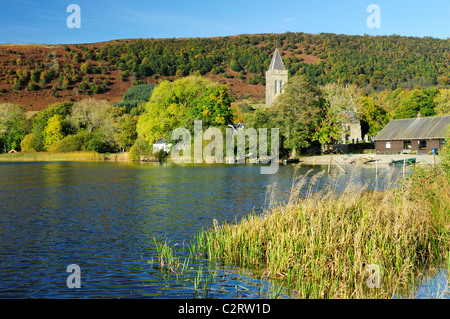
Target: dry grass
{"x":323,"y":246}
{"x":48,"y":156}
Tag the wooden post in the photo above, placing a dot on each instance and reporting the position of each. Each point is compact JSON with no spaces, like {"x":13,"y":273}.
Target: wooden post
{"x":404,"y":165}
{"x":340,"y":166}
{"x":376,"y":165}
{"x":329,"y":165}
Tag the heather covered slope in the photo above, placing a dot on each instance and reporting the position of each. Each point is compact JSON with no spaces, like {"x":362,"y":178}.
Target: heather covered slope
{"x":37,"y":75}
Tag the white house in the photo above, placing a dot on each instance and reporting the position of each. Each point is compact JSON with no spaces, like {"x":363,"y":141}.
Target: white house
{"x":161,"y":145}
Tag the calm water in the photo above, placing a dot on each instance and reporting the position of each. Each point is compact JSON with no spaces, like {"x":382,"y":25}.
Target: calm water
{"x":104,"y":216}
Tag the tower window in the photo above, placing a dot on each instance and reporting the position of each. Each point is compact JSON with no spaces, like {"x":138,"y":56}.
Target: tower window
{"x":276,"y":84}
{"x":281,"y":87}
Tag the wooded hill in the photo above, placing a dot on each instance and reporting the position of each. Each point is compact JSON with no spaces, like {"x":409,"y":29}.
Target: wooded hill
{"x":37,"y":75}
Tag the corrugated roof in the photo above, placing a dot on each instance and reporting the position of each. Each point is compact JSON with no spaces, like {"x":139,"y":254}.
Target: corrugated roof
{"x":277,"y":62}
{"x":415,"y":128}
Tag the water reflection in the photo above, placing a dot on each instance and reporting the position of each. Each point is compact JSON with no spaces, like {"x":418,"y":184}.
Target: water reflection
{"x":104,"y":216}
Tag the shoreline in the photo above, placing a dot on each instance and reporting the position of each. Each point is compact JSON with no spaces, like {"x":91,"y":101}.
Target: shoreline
{"x":382,"y":159}
{"x":124,"y":157}
{"x":83,"y":156}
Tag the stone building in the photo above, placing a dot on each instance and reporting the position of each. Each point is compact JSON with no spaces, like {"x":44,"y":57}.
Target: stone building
{"x":351,"y":129}
{"x":276,"y":77}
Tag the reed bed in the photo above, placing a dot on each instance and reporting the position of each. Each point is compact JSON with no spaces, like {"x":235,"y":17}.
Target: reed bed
{"x":358,"y":244}
{"x":48,"y":156}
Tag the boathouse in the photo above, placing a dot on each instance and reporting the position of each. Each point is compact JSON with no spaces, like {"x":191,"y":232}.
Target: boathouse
{"x":419,"y":135}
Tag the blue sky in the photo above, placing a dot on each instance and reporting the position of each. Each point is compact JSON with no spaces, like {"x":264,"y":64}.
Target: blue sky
{"x":31,"y":21}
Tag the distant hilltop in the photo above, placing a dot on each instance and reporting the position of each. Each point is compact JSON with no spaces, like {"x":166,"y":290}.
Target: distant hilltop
{"x":36,"y":75}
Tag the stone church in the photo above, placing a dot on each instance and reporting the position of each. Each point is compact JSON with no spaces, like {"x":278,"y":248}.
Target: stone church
{"x":277,"y":77}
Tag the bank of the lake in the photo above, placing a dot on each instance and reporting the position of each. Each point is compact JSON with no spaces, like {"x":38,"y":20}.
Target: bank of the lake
{"x":381,"y":159}
{"x":67,"y":156}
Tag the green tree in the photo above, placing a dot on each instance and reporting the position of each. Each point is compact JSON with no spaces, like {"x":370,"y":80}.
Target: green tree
{"x":419,"y":101}
{"x":341,"y":108}
{"x":442,"y":102}
{"x":13,"y":126}
{"x":53,"y":132}
{"x":374,"y":115}
{"x":27,"y":144}
{"x":178,"y":103}
{"x":40,"y":119}
{"x":298,"y":113}
{"x":85,"y":68}
{"x":126,"y":134}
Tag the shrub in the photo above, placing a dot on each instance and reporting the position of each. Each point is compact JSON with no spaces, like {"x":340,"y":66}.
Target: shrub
{"x":71,"y":143}
{"x":100,"y":144}
{"x":445,"y":152}
{"x":28,"y":143}
{"x":32,"y":86}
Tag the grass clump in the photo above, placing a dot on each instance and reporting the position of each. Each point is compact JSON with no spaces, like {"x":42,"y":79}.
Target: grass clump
{"x":326,"y":246}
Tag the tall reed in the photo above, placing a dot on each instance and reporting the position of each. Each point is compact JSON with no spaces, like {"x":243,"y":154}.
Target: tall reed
{"x":48,"y":156}
{"x":325,"y":245}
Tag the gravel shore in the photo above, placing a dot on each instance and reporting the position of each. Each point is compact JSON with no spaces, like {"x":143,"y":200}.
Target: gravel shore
{"x":382,"y":159}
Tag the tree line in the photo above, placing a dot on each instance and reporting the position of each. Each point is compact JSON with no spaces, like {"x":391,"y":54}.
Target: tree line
{"x":307,"y":115}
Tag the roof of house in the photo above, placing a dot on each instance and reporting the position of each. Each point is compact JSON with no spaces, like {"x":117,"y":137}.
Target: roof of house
{"x":163,"y":141}
{"x":415,"y":128}
{"x":277,"y":62}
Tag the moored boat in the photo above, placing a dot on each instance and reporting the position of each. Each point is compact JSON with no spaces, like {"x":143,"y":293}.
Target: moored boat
{"x":406,"y":161}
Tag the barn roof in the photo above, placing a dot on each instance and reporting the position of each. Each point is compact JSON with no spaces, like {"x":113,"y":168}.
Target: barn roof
{"x":415,"y":128}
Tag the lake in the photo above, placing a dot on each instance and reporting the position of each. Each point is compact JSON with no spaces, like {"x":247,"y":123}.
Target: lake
{"x":104,"y":216}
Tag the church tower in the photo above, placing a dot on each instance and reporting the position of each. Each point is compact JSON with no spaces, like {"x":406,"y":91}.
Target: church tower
{"x":276,"y":77}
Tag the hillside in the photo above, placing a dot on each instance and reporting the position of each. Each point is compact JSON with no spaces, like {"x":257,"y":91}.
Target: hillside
{"x":37,"y":75}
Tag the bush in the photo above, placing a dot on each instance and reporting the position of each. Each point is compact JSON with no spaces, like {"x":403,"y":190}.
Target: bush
{"x":139,"y":148}
{"x":98,"y":143}
{"x":445,"y":152}
{"x":32,"y":86}
{"x":28,"y":143}
{"x":71,"y":143}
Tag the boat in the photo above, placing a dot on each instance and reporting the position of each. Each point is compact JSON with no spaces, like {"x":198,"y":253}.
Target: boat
{"x":406,"y":161}
{"x":363,"y":160}
{"x":291,"y":161}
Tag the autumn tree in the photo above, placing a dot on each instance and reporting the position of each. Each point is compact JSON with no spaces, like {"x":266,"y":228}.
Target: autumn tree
{"x":442,"y":102}
{"x":179,"y":103}
{"x":53,"y":132}
{"x":88,"y":114}
{"x":298,"y":113}
{"x":373,"y":115}
{"x":420,"y":101}
{"x":125,"y":132}
{"x":341,"y":108}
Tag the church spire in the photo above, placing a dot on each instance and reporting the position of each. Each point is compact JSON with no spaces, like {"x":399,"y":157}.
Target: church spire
{"x":277,"y":62}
